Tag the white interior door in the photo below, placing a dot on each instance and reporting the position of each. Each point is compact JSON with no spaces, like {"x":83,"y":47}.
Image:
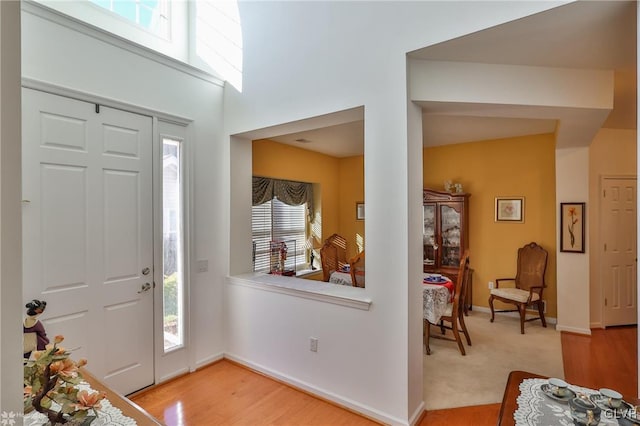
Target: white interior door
{"x":619,"y":234}
{"x":87,"y":232}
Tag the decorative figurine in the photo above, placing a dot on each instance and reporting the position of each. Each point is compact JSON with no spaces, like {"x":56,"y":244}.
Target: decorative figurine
{"x":35,"y":338}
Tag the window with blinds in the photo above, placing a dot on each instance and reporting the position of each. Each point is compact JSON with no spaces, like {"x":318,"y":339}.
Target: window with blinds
{"x":277,"y":221}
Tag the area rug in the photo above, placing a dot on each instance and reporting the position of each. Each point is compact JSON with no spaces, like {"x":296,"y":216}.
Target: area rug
{"x":452,"y":380}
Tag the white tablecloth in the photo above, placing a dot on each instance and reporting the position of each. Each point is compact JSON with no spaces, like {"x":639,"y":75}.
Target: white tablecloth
{"x":435,"y":299}
{"x":535,"y":408}
{"x":342,"y":278}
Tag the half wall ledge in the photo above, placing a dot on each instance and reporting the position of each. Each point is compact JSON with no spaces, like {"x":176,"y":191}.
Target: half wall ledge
{"x":336,"y":294}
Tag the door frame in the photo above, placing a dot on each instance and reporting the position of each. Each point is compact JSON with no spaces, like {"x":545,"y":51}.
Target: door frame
{"x":600,"y":250}
{"x":157,"y":117}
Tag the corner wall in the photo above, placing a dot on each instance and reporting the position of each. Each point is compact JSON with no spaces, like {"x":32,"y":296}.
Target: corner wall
{"x":572,"y":185}
{"x":355,"y":56}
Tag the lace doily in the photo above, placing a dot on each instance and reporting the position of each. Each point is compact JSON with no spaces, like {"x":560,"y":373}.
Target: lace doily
{"x":534,"y":408}
{"x":107,"y":415}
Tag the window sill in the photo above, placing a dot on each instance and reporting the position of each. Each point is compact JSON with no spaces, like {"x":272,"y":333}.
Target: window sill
{"x":351,"y":297}
{"x":307,"y":272}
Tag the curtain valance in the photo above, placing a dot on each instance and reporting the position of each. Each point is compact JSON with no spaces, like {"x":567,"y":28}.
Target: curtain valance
{"x":288,"y":191}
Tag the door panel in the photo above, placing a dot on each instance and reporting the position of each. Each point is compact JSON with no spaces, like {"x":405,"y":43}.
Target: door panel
{"x":619,"y":228}
{"x":88,"y":232}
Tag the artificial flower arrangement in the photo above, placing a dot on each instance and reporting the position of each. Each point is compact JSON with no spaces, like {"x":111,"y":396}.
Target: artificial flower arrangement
{"x":51,"y":382}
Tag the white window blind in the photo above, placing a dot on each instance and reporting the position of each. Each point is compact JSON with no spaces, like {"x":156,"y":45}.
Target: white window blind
{"x":277,"y":221}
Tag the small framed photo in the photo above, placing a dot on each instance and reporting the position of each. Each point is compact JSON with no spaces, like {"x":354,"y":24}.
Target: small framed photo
{"x":510,"y":209}
{"x":360,"y":210}
{"x":572,"y":227}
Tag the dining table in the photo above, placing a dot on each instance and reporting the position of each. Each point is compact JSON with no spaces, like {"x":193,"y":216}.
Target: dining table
{"x":437,"y":292}
{"x":342,"y":277}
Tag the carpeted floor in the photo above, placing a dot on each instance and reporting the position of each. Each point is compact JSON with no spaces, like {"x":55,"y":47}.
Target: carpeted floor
{"x":452,"y":380}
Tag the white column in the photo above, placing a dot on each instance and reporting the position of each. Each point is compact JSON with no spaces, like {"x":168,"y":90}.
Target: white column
{"x":572,"y":185}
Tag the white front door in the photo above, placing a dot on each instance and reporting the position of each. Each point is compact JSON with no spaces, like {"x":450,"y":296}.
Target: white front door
{"x":619,"y":235}
{"x":87,"y":232}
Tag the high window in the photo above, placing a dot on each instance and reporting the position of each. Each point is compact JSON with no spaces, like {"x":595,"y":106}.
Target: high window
{"x":152,"y":15}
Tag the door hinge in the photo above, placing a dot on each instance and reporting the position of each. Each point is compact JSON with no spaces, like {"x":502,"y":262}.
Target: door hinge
{"x":605,"y":246}
{"x":605,"y":301}
{"x":604,"y":193}
{"x":97,"y":109}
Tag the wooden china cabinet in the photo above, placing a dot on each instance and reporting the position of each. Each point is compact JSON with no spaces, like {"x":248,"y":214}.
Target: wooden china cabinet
{"x":445,"y":233}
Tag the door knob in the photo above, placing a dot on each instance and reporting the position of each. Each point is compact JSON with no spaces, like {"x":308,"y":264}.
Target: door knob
{"x":146,"y":271}
{"x":145,"y":287}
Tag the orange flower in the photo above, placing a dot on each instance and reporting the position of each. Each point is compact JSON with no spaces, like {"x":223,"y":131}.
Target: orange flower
{"x":27,"y":391}
{"x":88,"y":400}
{"x":58,"y":339}
{"x":82,"y":362}
{"x":572,"y":211}
{"x":65,"y":367}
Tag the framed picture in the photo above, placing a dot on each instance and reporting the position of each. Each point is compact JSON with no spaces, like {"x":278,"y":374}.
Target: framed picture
{"x":572,"y":227}
{"x":360,"y":210}
{"x":510,"y":209}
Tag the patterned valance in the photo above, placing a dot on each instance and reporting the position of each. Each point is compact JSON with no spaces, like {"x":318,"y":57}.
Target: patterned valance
{"x":288,"y":191}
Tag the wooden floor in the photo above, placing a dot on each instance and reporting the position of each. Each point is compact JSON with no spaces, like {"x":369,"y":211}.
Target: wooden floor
{"x":227,"y":394}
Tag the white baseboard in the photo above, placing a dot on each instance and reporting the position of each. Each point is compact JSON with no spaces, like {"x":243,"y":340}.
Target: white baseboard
{"x":550,"y":320}
{"x":413,"y":420}
{"x":585,"y":331}
{"x":329,"y":396}
{"x":208,"y":360}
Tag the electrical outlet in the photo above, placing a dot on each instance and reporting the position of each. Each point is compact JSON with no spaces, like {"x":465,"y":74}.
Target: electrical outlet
{"x":491,"y":285}
{"x":313,"y":344}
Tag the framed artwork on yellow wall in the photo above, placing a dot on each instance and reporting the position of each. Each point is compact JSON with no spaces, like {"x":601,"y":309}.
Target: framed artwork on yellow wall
{"x":509,"y":209}
{"x":572,"y":227}
{"x":360,"y":210}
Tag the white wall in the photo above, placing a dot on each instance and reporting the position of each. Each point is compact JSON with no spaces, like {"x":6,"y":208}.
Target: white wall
{"x":612,"y":153}
{"x":11,"y":310}
{"x":58,"y":55}
{"x":304,"y":59}
{"x":572,"y":271}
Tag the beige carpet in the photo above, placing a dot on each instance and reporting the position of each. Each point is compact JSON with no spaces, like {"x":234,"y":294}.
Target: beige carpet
{"x":452,"y":380}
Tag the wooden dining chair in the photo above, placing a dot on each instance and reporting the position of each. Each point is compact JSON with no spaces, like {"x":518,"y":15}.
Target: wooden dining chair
{"x":356,"y":267}
{"x":333,"y":255}
{"x":453,"y":318}
{"x":529,"y":284}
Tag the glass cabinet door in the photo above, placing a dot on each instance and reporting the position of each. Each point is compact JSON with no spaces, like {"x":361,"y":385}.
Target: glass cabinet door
{"x":450,"y":234}
{"x":429,"y":235}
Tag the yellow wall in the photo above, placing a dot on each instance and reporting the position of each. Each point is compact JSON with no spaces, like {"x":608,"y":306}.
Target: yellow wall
{"x":351,"y":191}
{"x":507,"y":167}
{"x":340,"y":181}
{"x":523,"y":166}
{"x":612,"y":153}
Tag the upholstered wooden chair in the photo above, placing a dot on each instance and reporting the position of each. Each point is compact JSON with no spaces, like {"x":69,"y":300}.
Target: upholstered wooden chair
{"x":333,"y":255}
{"x":453,"y":318}
{"x":529,"y":285}
{"x":356,"y":267}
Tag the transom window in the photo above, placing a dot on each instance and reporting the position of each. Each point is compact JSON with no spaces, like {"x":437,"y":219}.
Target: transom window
{"x":152,"y":15}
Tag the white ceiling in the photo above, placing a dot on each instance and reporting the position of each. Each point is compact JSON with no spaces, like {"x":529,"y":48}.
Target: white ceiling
{"x":583,"y":34}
